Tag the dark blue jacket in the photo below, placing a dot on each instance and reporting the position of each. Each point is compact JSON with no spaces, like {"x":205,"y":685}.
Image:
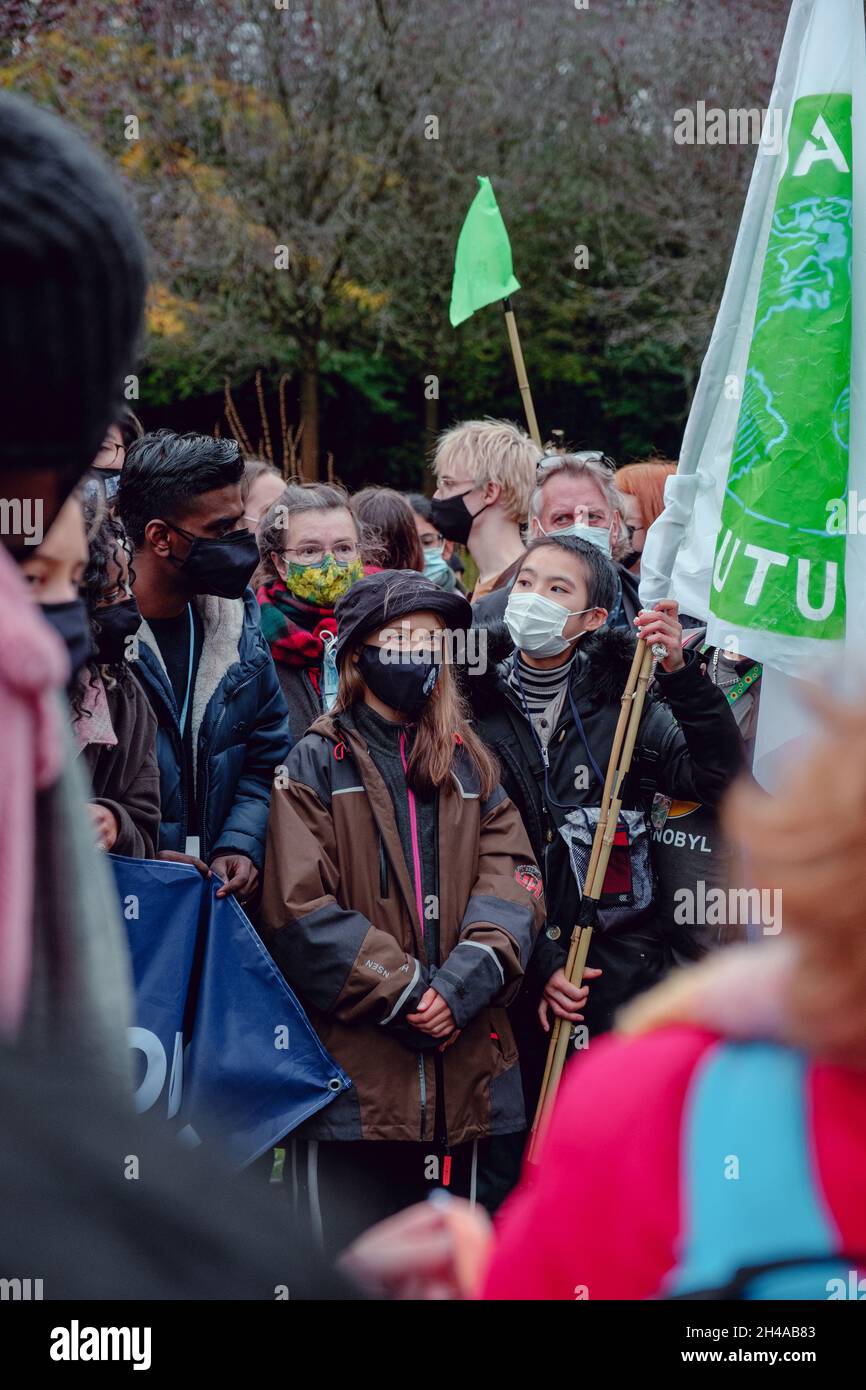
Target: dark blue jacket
{"x":239,"y":726}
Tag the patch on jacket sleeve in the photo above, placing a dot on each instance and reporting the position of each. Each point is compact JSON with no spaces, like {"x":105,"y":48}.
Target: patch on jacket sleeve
{"x":529,"y":877}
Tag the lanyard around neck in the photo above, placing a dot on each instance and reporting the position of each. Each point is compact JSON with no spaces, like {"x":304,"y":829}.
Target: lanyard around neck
{"x":185,"y":710}
{"x":551,"y":799}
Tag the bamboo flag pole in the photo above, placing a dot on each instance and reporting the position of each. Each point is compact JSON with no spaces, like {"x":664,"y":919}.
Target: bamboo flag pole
{"x":520,"y":369}
{"x":484,"y":274}
{"x":621,"y":755}
{"x":570,"y":965}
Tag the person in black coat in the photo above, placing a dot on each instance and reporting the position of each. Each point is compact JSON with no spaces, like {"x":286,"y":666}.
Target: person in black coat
{"x":223,"y":733}
{"x":549,"y":711}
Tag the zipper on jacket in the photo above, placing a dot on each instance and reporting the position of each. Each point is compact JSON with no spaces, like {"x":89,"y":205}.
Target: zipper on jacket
{"x":383,"y":870}
{"x":413,"y":834}
{"x":422,"y":1083}
{"x":419,"y":902}
{"x":438,"y":1057}
{"x":177,"y":739}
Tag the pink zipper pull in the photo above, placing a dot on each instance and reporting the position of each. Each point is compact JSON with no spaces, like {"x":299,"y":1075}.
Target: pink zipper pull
{"x":413,"y":833}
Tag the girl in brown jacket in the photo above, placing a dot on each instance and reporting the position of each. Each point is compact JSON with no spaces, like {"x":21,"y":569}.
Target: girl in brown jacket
{"x":401,"y":902}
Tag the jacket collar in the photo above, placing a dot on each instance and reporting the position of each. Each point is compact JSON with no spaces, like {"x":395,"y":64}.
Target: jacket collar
{"x":341,"y":728}
{"x":224,"y":621}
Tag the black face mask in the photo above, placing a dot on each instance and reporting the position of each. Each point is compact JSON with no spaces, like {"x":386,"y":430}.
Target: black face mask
{"x":452,"y":518}
{"x":222,"y":566}
{"x":116,"y":623}
{"x":72,"y":625}
{"x":630,"y":559}
{"x":403,"y":684}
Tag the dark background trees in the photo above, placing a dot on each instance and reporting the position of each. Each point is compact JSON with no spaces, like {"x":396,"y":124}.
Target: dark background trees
{"x":302,"y":173}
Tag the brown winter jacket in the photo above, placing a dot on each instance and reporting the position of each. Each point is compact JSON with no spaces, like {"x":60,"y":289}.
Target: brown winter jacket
{"x":340,"y":918}
{"x":125,"y":776}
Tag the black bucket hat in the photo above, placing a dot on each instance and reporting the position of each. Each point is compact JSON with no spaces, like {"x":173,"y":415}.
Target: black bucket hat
{"x":377,"y":599}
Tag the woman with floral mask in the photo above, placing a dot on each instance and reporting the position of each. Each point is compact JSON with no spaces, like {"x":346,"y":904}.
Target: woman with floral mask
{"x":549,"y":712}
{"x":401,"y":902}
{"x":311,"y":547}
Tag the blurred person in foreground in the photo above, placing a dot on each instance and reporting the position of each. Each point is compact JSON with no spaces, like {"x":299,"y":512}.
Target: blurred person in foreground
{"x":757,"y":1054}
{"x":71,"y":297}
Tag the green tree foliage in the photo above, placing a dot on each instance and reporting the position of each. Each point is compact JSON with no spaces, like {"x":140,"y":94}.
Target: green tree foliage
{"x":348,"y":133}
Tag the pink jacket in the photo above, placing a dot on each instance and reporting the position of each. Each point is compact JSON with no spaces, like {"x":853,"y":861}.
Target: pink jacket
{"x":33,"y":667}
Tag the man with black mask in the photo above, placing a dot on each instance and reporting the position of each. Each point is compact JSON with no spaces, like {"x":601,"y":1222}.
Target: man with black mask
{"x":209,"y":675}
{"x":485,"y":472}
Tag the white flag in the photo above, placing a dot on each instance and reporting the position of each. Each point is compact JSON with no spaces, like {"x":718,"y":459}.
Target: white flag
{"x":761,"y":534}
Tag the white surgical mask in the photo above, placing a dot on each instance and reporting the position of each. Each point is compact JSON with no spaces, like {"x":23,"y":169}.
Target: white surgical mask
{"x":536,"y":624}
{"x":599,"y":536}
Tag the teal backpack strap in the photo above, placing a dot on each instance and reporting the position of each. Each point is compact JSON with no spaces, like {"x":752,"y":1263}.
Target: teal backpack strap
{"x":750,"y":1193}
{"x":330,"y":675}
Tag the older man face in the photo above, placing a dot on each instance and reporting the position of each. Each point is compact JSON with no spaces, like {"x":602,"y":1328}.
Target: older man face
{"x":567,"y":500}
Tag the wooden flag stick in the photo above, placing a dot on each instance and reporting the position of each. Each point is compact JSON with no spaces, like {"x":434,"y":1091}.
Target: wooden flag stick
{"x":520,"y":369}
{"x":622,"y":752}
{"x":577,"y":945}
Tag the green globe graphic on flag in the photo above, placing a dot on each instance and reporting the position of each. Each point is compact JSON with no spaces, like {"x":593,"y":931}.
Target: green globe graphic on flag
{"x":778,"y":565}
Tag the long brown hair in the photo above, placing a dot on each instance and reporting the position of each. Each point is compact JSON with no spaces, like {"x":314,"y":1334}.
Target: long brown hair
{"x":389,"y":516}
{"x":441,"y":728}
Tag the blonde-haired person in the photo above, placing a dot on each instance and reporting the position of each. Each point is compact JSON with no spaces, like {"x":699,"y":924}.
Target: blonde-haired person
{"x":642,"y":488}
{"x":401,"y":902}
{"x":485,"y":471}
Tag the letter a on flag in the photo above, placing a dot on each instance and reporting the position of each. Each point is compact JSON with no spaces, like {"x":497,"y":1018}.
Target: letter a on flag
{"x":757,"y":537}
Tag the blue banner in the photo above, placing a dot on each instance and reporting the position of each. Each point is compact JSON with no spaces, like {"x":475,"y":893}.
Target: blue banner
{"x":223,"y":1044}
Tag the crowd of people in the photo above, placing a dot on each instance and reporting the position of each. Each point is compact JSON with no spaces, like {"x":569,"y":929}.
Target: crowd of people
{"x":382,"y":722}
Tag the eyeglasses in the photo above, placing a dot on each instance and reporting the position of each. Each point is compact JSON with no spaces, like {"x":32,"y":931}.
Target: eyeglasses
{"x":551,"y":463}
{"x":116,"y":450}
{"x":313,"y":555}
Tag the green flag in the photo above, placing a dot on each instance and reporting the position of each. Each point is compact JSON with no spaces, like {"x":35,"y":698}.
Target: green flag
{"x":482,"y":265}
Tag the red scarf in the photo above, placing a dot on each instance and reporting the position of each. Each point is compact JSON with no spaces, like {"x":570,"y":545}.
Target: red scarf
{"x":293,"y":629}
